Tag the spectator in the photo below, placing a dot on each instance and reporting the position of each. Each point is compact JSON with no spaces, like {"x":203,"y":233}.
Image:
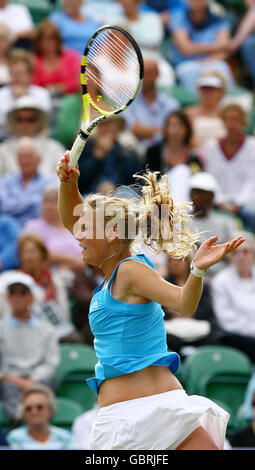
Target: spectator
{"x":75,"y":29}
{"x":9,"y":232}
{"x":206,"y":115}
{"x":245,"y":437}
{"x":37,"y":408}
{"x":28,"y":347}
{"x":64,"y":250}
{"x":5,"y":44}
{"x":165,"y":8}
{"x":233,"y":297}
{"x":81,"y":293}
{"x":21,"y":193}
{"x":231,"y":160}
{"x":21,"y":72}
{"x":34,"y":260}
{"x":244,"y":38}
{"x":105,"y":160}
{"x":200,"y":42}
{"x":176,"y":146}
{"x":146,"y":115}
{"x":196,"y":331}
{"x":56,"y":68}
{"x":28,"y":119}
{"x":146,"y":28}
{"x":19,"y":20}
{"x":82,"y":427}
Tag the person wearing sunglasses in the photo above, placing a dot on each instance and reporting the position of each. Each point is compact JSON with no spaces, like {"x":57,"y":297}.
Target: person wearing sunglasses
{"x":36,"y":408}
{"x":28,"y":346}
{"x":27,"y":118}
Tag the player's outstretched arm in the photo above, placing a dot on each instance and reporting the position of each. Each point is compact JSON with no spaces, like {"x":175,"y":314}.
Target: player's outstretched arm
{"x":69,"y":198}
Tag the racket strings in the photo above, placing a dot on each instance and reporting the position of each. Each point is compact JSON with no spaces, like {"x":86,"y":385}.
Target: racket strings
{"x":112,"y":70}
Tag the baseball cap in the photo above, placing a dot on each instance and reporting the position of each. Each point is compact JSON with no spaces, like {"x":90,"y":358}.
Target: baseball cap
{"x":204,"y":181}
{"x":20,"y":278}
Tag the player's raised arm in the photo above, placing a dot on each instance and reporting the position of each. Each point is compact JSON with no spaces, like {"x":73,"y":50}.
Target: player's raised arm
{"x":69,"y":199}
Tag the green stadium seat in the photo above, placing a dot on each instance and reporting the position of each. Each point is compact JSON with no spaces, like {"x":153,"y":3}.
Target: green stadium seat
{"x":4,"y":424}
{"x":77,"y":362}
{"x":184,"y":96}
{"x":67,"y":119}
{"x":75,"y":359}
{"x":219,"y":373}
{"x":67,"y":411}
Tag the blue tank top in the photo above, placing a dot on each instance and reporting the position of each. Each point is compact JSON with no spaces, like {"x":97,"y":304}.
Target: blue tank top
{"x":127,"y":337}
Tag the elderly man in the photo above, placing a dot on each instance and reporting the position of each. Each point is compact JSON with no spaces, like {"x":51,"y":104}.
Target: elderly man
{"x":28,"y":346}
{"x":21,"y":193}
{"x":27,"y":118}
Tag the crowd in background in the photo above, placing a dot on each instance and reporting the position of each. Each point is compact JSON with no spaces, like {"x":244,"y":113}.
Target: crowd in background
{"x":193,"y":120}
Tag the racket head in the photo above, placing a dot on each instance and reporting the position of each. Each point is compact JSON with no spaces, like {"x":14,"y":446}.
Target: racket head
{"x":111,"y":70}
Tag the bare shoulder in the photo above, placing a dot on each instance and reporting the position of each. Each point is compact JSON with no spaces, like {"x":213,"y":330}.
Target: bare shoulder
{"x":133,"y":269}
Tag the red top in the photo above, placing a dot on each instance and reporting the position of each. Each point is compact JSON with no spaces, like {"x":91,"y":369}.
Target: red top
{"x":66,"y":72}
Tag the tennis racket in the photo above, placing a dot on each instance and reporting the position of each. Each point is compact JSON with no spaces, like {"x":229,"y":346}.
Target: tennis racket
{"x":111,"y":75}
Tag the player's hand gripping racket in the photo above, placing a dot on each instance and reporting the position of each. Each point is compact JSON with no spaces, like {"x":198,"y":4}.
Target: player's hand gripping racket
{"x":111,"y":74}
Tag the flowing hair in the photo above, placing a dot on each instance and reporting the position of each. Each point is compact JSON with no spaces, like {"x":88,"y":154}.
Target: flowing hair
{"x":154,"y":219}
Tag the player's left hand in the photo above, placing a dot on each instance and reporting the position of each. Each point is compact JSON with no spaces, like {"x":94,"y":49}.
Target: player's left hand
{"x":209,"y":254}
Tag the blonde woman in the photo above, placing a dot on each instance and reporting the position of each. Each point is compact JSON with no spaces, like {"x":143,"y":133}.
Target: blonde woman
{"x":141,"y":403}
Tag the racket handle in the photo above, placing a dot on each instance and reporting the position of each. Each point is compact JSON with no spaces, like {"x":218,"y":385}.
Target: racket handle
{"x":76,"y":150}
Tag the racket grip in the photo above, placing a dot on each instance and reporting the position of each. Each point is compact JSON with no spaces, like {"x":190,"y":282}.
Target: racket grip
{"x":76,"y":150}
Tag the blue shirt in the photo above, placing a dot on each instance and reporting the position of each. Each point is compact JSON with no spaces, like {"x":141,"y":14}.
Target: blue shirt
{"x":75,"y":34}
{"x":59,"y":439}
{"x":128,"y":337}
{"x":204,"y":32}
{"x":9,"y":232}
{"x":23,"y":202}
{"x":155,"y":114}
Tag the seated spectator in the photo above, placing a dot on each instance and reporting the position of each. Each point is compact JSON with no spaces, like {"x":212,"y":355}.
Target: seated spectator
{"x":19,"y":20}
{"x":21,"y":70}
{"x":245,"y":437}
{"x":64,"y":251}
{"x":5,"y":45}
{"x":37,"y":407}
{"x":28,"y":346}
{"x":9,"y":233}
{"x":21,"y":193}
{"x":34,"y":260}
{"x":176,"y":146}
{"x":146,"y":28}
{"x":233,"y":298}
{"x":56,"y":68}
{"x":81,"y":293}
{"x":231,"y":160}
{"x":82,"y":427}
{"x":165,"y":8}
{"x":104,"y":159}
{"x":147,"y":114}
{"x":200,"y":42}
{"x":28,"y":119}
{"x":75,"y":29}
{"x":205,"y":116}
{"x":243,"y":40}
{"x":199,"y":330}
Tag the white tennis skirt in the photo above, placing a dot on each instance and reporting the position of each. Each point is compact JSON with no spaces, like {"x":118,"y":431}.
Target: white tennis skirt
{"x":157,"y":422}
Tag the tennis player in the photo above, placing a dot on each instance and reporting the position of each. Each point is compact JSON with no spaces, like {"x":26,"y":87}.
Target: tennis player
{"x":142,"y":405}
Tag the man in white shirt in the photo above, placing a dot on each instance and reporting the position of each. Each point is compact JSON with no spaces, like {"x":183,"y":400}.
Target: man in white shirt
{"x":18,"y":18}
{"x":28,"y":346}
{"x":231,"y":160}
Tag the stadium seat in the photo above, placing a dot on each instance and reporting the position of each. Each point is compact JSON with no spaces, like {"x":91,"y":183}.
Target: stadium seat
{"x":76,"y":359}
{"x":67,"y":119}
{"x":3,"y":421}
{"x":219,"y":373}
{"x":67,"y":411}
{"x":77,"y":362}
{"x":39,"y":9}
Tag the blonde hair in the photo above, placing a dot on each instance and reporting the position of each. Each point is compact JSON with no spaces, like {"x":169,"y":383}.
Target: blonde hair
{"x":156,"y":220}
{"x":37,"y":388}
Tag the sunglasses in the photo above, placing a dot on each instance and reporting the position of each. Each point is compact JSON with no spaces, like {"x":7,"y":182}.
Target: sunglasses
{"x":14,"y":291}
{"x":26,"y":119}
{"x":38,"y":407}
